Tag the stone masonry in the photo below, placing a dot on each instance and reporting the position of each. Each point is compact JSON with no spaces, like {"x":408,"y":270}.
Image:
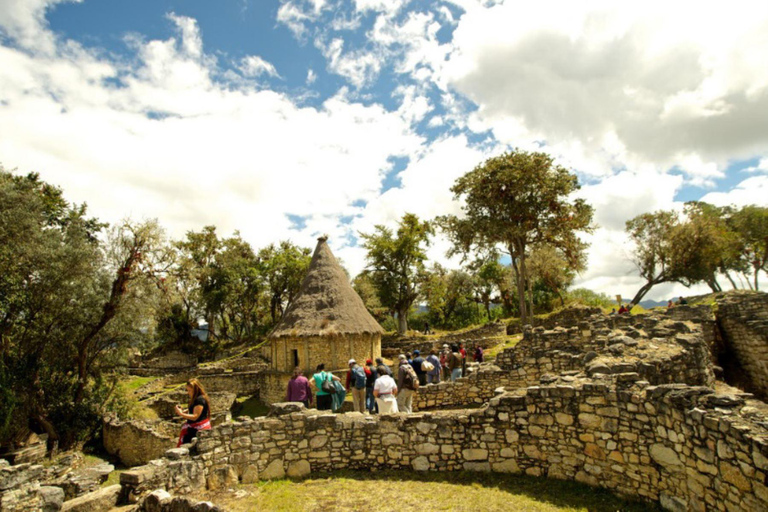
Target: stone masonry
{"x":682,"y":446}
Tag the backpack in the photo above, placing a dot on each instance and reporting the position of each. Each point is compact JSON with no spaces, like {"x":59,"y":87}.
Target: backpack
{"x":327,"y":385}
{"x":359,"y":375}
{"x":410,"y":380}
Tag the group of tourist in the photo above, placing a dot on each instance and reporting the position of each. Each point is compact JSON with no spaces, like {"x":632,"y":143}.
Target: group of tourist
{"x":374,"y":387}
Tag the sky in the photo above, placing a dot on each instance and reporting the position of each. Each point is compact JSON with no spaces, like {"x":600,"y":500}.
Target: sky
{"x":295,"y":118}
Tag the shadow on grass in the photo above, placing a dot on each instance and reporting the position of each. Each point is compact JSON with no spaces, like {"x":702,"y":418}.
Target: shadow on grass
{"x":407,"y":491}
{"x":561,"y":493}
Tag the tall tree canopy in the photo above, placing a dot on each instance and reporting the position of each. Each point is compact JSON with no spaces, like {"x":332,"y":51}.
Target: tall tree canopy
{"x":515,"y":201}
{"x":64,"y":296}
{"x":395,"y":261}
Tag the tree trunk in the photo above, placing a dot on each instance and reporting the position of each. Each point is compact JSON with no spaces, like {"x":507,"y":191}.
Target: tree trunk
{"x":756,"y":285}
{"x":641,"y":293}
{"x":402,"y":322}
{"x":562,"y":299}
{"x":488,"y":309}
{"x":520,"y":285}
{"x":733,"y":283}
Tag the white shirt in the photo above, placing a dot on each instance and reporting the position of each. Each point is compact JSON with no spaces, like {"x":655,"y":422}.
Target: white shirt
{"x":385,"y":385}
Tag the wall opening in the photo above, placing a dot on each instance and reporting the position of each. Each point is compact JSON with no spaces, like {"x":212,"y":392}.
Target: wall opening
{"x":295,"y":358}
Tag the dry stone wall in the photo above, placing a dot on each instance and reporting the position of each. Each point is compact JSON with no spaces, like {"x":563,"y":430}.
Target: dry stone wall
{"x":486,"y":336}
{"x":743,"y":320}
{"x":682,"y":446}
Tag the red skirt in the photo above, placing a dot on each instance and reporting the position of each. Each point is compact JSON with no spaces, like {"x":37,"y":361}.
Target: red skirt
{"x":200,"y":425}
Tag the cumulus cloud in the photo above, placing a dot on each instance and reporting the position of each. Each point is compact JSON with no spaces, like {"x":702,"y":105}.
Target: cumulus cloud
{"x":24,"y":21}
{"x":171,"y":142}
{"x":674,"y":84}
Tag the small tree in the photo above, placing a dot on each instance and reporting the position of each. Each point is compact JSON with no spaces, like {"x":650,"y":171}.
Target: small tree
{"x":395,"y":262}
{"x":751,"y":227}
{"x":515,"y":201}
{"x":284,"y":267}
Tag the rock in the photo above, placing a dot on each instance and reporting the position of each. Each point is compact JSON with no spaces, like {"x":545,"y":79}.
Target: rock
{"x":597,"y":367}
{"x":672,"y":503}
{"x":155,"y":501}
{"x":53,"y":498}
{"x":475,"y":454}
{"x":665,"y":457}
{"x":420,"y":464}
{"x":282,"y":408}
{"x":177,"y":453}
{"x":589,"y":356}
{"x":273,"y":470}
{"x":298,"y":469}
{"x":97,"y":501}
{"x":508,"y":466}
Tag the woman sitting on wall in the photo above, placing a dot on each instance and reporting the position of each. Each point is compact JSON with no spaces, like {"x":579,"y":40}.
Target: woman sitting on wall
{"x":198,"y":415}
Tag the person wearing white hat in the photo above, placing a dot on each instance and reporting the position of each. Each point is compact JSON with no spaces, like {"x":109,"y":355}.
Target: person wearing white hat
{"x":356,"y":385}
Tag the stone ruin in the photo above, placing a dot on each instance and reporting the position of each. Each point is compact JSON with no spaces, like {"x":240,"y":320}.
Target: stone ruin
{"x":628,"y":403}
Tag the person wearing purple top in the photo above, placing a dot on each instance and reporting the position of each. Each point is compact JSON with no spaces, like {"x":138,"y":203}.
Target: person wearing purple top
{"x":298,"y":389}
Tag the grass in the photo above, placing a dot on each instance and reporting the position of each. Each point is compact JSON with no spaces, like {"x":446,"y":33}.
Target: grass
{"x":508,"y":342}
{"x":251,"y":407}
{"x":133,"y":383}
{"x":407,"y":491}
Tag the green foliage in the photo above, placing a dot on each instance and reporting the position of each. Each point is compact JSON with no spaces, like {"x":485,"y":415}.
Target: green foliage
{"x":516,"y":201}
{"x":64,"y":304}
{"x":589,"y":298}
{"x":706,"y":242}
{"x":451,"y":298}
{"x":395,"y":261}
{"x":284,"y":268}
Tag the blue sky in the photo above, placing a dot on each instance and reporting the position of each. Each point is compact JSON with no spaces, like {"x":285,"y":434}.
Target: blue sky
{"x":293,"y":118}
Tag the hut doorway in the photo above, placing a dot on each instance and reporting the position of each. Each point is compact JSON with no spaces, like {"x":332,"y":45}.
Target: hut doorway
{"x":295,"y":358}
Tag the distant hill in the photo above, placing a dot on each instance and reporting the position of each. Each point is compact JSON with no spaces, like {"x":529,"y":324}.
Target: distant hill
{"x":648,"y":304}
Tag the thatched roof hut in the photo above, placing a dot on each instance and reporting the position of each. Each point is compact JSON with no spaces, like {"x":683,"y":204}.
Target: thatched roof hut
{"x":327,"y":322}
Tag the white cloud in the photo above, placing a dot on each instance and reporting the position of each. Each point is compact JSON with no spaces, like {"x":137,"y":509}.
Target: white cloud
{"x":254,"y":66}
{"x":390,"y":7}
{"x":311,"y":77}
{"x":674,"y":84}
{"x":24,"y":21}
{"x":170,"y":142}
{"x":753,"y":190}
{"x":359,"y":67}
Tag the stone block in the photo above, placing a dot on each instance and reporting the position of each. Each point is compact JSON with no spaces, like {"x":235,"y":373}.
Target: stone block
{"x":97,"y":501}
{"x":274,"y":470}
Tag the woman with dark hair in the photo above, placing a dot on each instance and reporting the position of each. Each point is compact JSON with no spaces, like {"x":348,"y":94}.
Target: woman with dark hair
{"x":324,"y":396}
{"x":298,"y":389}
{"x":198,"y":415}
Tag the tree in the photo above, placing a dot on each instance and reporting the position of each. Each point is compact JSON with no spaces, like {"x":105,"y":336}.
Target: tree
{"x":552,"y":272}
{"x":492,"y":279}
{"x":366,"y":289}
{"x":65,"y":301}
{"x":395,"y":262}
{"x":514,"y":201}
{"x":284,"y":267}
{"x":750,"y":224}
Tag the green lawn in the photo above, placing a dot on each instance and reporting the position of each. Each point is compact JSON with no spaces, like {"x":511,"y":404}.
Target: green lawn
{"x":408,"y":491}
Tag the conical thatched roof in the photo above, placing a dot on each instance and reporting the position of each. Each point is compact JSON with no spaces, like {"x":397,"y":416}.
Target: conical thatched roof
{"x":327,"y":304}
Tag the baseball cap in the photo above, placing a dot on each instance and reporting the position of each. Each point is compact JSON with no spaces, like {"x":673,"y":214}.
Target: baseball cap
{"x":352,"y":361}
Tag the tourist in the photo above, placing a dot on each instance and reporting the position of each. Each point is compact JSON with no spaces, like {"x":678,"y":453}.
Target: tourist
{"x":418,"y":361}
{"x":622,"y":310}
{"x":670,"y":304}
{"x":433,"y":375}
{"x":322,"y":381}
{"x":380,"y":363}
{"x":613,"y":311}
{"x":409,"y":358}
{"x":407,"y":383}
{"x":426,"y":328}
{"x":198,"y":413}
{"x":356,"y":384}
{"x":445,"y":356}
{"x":478,"y":357}
{"x":370,"y":380}
{"x":454,"y":364}
{"x":682,"y":301}
{"x":298,"y":389}
{"x":463,"y":353}
{"x":385,"y":391}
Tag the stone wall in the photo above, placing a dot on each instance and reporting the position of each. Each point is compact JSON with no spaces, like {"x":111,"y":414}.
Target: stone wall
{"x":682,"y":446}
{"x":138,"y":442}
{"x":743,"y":321}
{"x":565,"y":317}
{"x":486,"y":336}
